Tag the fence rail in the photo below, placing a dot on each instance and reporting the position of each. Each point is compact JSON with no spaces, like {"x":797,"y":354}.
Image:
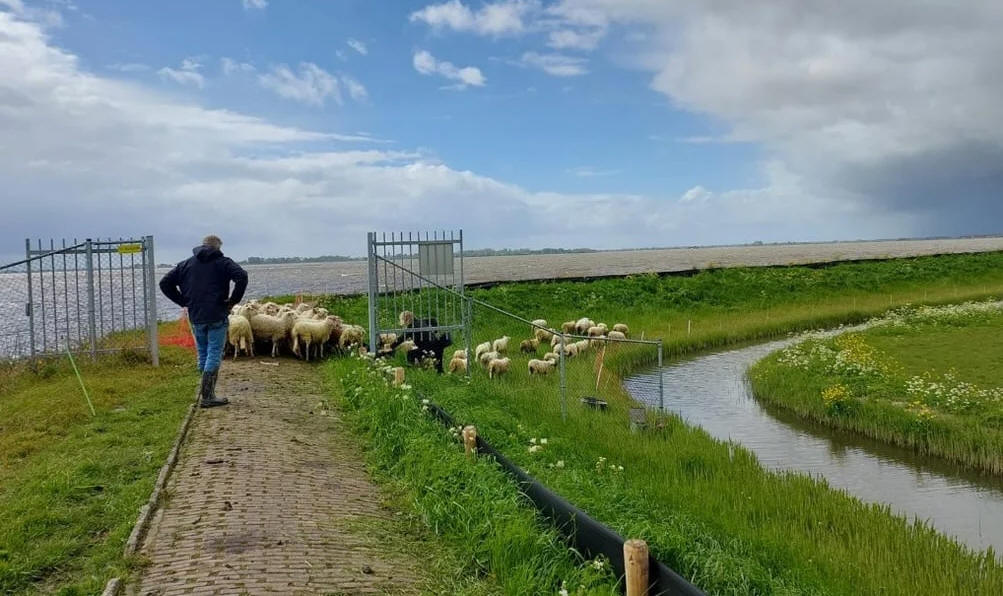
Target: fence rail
{"x":92,"y":296}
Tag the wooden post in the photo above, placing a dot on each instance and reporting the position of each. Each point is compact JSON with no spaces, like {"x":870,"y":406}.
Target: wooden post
{"x":635,"y":567}
{"x":398,"y":376}
{"x":470,"y":441}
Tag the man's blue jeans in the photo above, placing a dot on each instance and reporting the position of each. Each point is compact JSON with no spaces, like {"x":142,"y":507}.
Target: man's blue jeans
{"x":209,"y":340}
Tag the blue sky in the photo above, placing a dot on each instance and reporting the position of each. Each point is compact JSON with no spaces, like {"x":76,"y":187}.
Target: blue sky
{"x":293,"y":127}
{"x":525,"y":126}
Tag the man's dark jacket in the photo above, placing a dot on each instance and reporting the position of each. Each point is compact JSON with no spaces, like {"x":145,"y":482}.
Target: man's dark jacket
{"x":202,"y":283}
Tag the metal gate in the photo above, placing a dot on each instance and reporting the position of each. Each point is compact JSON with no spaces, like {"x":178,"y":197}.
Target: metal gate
{"x":418,"y":272}
{"x":92,"y":296}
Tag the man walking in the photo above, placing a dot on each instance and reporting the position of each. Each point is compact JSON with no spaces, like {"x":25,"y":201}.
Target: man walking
{"x":202,"y":285}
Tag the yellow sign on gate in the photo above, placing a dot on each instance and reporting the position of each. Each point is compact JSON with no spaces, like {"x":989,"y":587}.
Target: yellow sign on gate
{"x":128,"y":249}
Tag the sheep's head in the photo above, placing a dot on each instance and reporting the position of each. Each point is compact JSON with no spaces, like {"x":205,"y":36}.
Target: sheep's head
{"x":406,"y":318}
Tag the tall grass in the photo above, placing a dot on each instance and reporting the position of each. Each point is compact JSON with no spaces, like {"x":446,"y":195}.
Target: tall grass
{"x":957,"y":420}
{"x":72,"y":484}
{"x":707,"y":507}
{"x":472,"y":504}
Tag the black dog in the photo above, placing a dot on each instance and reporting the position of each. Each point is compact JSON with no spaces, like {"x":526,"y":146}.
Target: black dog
{"x":428,"y":344}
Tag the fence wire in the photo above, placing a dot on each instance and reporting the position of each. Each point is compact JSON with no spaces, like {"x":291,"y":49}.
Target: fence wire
{"x":93,"y":296}
{"x":559,"y":364}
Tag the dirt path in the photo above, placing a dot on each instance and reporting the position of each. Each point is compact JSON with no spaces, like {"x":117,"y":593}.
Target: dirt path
{"x":269,"y":496}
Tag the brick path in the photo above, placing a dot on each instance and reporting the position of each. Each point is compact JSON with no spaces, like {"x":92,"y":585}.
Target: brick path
{"x":268,"y":498}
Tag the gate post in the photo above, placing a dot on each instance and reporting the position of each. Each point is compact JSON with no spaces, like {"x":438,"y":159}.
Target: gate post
{"x":564,"y":382}
{"x":30,"y":308}
{"x":661,"y":381}
{"x":91,"y":323}
{"x":373,"y":283}
{"x":151,"y":317}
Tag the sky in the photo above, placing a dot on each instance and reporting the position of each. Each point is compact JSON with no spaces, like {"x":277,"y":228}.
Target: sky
{"x":293,"y":128}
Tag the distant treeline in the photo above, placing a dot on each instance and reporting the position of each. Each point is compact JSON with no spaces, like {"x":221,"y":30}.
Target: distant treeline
{"x":281,"y":260}
{"x":510,"y":252}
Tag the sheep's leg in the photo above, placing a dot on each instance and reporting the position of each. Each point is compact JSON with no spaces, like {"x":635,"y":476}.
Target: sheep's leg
{"x":275,"y":348}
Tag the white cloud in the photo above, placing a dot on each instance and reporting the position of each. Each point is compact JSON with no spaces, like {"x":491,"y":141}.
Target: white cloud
{"x":129,"y":67}
{"x":15,"y":6}
{"x":557,"y":65}
{"x":494,"y":19}
{"x":101,"y":156}
{"x":891,"y":104}
{"x":311,"y":85}
{"x":182,"y":77}
{"x":355,"y":89}
{"x":255,"y":4}
{"x":231,"y":66}
{"x":591,"y":172}
{"x":570,"y":39}
{"x":358,"y":46}
{"x":427,"y":64}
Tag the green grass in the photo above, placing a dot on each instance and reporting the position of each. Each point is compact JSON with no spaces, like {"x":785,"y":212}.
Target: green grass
{"x":931,"y":384}
{"x":472,"y":505}
{"x":707,"y":508}
{"x":71,"y":485}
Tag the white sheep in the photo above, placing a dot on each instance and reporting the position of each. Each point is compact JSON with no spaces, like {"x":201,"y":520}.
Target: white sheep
{"x":583,"y":345}
{"x":240,"y":336}
{"x":556,"y":340}
{"x":604,"y":327}
{"x":540,"y":367}
{"x":352,"y":335}
{"x":552,"y":356}
{"x":569,"y":350}
{"x":596,"y":331}
{"x":529,"y":346}
{"x":568,"y":327}
{"x":497,"y":366}
{"x":303,"y":307}
{"x":487,"y":357}
{"x":388,"y":339}
{"x":622,"y":328}
{"x":460,"y":354}
{"x":617,"y":335}
{"x":458,"y":365}
{"x":539,"y":323}
{"x":543,"y":334}
{"x":270,"y":308}
{"x":582,"y":325}
{"x":481,"y":348}
{"x":309,"y":332}
{"x":273,"y":329}
{"x":501,"y":344}
{"x":407,"y":345}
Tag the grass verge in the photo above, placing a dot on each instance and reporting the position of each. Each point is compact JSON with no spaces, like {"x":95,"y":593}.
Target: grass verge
{"x":926,"y":378}
{"x":473,"y":504}
{"x":707,"y":508}
{"x":72,"y":484}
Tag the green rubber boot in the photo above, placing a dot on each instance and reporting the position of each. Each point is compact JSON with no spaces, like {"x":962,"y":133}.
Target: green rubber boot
{"x":207,"y":391}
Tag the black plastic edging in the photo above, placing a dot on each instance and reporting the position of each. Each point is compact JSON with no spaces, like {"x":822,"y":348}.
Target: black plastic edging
{"x":590,"y":537}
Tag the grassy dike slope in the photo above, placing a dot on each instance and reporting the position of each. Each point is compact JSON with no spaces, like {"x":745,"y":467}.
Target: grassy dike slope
{"x":71,"y":484}
{"x":707,"y":508}
{"x":930,"y":379}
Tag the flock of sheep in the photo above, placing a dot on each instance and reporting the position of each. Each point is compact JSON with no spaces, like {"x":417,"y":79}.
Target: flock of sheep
{"x":301,"y":327}
{"x":304,"y":329}
{"x":491,"y":354}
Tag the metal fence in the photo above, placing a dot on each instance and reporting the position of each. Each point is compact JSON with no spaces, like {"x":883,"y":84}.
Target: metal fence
{"x":91,"y":297}
{"x":420,"y":273}
{"x":547,"y":363}
{"x":423,"y":274}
